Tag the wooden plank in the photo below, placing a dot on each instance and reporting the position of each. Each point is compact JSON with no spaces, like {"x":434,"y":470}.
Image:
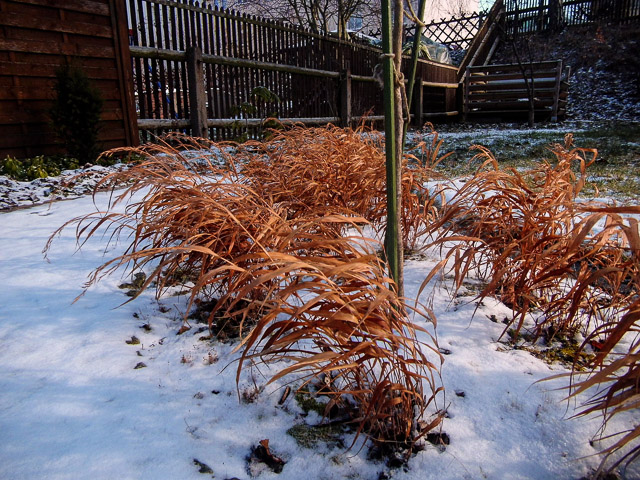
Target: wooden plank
{"x":51,"y":37}
{"x":47,"y":83}
{"x":548,"y":65}
{"x":509,"y":90}
{"x":440,"y":85}
{"x":517,"y":84}
{"x":150,"y":124}
{"x":24,"y":69}
{"x":79,"y":17}
{"x":21,"y":20}
{"x":37,"y":138}
{"x":510,"y":111}
{"x":35,"y":106}
{"x":483,"y":43}
{"x":506,"y":96}
{"x":508,"y":104}
{"x":453,"y":113}
{"x":465,"y":103}
{"x":86,"y":6}
{"x":513,"y":74}
{"x":164,"y":54}
{"x":38,"y":92}
{"x":493,"y":16}
{"x":77,"y":50}
{"x":40,"y":137}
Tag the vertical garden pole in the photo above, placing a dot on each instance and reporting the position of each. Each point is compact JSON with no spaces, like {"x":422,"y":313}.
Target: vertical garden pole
{"x":393,"y":220}
{"x":390,"y":144}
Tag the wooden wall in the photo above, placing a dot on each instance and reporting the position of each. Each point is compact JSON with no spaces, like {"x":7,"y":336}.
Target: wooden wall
{"x":37,"y":36}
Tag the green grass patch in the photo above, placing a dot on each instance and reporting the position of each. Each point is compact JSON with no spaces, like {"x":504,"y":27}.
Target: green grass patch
{"x":309,"y":436}
{"x":616,"y":172}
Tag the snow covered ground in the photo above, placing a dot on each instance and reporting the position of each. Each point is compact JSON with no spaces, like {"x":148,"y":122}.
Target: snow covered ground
{"x":69,"y":184}
{"x":73,"y":405}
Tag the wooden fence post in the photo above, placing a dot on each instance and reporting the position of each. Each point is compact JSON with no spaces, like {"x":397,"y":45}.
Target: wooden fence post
{"x":465,"y":98}
{"x":418,"y":103}
{"x":197,"y":96}
{"x":556,"y":93}
{"x":125,"y":78}
{"x":345,"y":98}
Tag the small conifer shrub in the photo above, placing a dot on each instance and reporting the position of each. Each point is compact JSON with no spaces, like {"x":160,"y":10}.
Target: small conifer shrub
{"x":75,"y":114}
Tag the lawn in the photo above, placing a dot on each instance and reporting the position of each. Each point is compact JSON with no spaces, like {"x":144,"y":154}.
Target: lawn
{"x":616,"y":172}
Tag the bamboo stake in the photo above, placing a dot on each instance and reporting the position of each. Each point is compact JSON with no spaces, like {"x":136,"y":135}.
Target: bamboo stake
{"x":393,"y":126}
{"x":390,"y":144}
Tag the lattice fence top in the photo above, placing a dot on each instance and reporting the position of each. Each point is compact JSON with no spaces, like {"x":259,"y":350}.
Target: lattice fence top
{"x":528,"y":16}
{"x":455,"y":32}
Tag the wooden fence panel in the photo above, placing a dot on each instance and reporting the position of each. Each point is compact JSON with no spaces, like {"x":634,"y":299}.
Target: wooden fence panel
{"x":162,"y":93}
{"x":38,"y":36}
{"x":530,"y":16}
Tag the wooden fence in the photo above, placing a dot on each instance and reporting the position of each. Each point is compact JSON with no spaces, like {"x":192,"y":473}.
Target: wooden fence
{"x":501,"y":91}
{"x":530,"y":16}
{"x":36,"y":37}
{"x":317,"y":79}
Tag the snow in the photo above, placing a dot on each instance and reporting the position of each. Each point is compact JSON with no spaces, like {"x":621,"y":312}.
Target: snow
{"x":74,"y":407}
{"x":69,"y":184}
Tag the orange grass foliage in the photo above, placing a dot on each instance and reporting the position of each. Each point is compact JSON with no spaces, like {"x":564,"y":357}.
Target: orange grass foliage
{"x":575,"y":264}
{"x":340,"y":169}
{"x":539,"y":249}
{"x":322,"y":301}
{"x":615,"y":377}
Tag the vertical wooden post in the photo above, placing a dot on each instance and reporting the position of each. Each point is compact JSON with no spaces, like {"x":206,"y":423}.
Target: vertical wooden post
{"x":541,"y":23}
{"x":556,"y":17}
{"x":556,"y":93}
{"x":418,"y":103}
{"x":465,"y":98}
{"x":197,"y":97}
{"x":417,"y":37}
{"x":125,"y":74}
{"x":345,"y":98}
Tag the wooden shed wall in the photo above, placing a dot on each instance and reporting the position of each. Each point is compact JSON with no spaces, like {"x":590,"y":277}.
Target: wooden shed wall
{"x":36,"y":37}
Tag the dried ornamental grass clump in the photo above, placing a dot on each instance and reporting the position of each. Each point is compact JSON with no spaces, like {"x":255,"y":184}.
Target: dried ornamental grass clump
{"x":342,"y":170}
{"x":320,"y":300}
{"x":537,"y":247}
{"x":311,"y":168}
{"x":612,"y":387}
{"x":575,"y":264}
